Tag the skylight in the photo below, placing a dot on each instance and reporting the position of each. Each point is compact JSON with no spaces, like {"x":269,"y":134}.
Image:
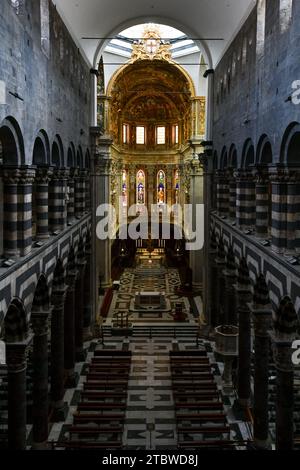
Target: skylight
{"x":181,"y":45}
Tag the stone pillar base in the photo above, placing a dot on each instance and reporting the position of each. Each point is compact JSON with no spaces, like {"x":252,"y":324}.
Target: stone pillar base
{"x":60,"y":412}
{"x":87,"y":333}
{"x":81,"y":355}
{"x":72,"y":378}
{"x":40,"y":446}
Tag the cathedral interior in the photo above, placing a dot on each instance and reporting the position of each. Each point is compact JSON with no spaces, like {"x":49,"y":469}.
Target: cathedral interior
{"x":149,"y":225}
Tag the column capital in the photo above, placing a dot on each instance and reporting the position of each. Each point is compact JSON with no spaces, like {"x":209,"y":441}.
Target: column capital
{"x":39,"y":321}
{"x":18,"y":175}
{"x":244,"y":174}
{"x":43,"y":174}
{"x":262,"y":320}
{"x":16,"y":355}
{"x":72,"y":277}
{"x":60,"y":174}
{"x":282,"y":353}
{"x":59,"y":296}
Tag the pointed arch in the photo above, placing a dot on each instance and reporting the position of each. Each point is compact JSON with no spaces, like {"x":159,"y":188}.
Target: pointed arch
{"x":15,"y":323}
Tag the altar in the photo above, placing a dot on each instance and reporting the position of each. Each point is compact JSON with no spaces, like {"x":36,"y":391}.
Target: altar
{"x":144,"y":301}
{"x":150,"y":300}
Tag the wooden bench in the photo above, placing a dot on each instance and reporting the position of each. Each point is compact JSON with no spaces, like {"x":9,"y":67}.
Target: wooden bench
{"x":91,"y":445}
{"x":113,"y":354}
{"x":188,"y":354}
{"x":108,"y":370}
{"x":89,"y":430}
{"x":195,"y":444}
{"x":200,"y":405}
{"x":200,"y":394}
{"x":204,"y":430}
{"x":191,"y":377}
{"x":105,"y":387}
{"x":189,"y":360}
{"x":108,"y":377}
{"x":96,"y":406}
{"x":111,"y":360}
{"x":85,"y":418}
{"x":210,"y":385}
{"x":201,"y":418}
{"x":101,"y":395}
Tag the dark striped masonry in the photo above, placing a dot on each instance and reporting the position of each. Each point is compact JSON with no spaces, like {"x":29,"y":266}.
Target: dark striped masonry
{"x":42,"y":202}
{"x":245,"y":210}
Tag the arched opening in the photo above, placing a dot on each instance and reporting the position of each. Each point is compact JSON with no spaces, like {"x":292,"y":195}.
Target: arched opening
{"x":11,"y":154}
{"x":56,"y":157}
{"x":248,"y":156}
{"x":40,"y":159}
{"x":224,"y":159}
{"x":289,"y":153}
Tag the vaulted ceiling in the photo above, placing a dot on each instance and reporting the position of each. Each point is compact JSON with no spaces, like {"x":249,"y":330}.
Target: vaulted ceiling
{"x":215,"y":21}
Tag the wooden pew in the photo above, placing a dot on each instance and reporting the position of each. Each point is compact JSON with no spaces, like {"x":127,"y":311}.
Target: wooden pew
{"x":96,"y":406}
{"x":85,"y":445}
{"x":98,"y":418}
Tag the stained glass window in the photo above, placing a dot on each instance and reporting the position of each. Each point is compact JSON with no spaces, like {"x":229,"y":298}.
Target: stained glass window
{"x":124,"y":188}
{"x":176,"y":186}
{"x":161,"y":187}
{"x":140,"y":187}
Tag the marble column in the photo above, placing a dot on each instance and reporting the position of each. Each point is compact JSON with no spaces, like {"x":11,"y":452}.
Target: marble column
{"x":243,"y":297}
{"x":43,"y":176}
{"x":246,"y":200}
{"x":87,"y":312}
{"x":79,"y":309}
{"x":102,"y":189}
{"x":16,"y":374}
{"x":57,"y":200}
{"x":279,"y":209}
{"x":69,"y":329}
{"x":222,"y":194}
{"x":40,"y":407}
{"x":293,"y":204}
{"x":196,"y":198}
{"x":10,"y":212}
{"x":229,"y":274}
{"x":232,"y":196}
{"x":285,"y":332}
{"x":26,"y":180}
{"x":213,"y":267}
{"x":71,"y":197}
{"x":220,"y":261}
{"x":57,"y":353}
{"x":261,"y":311}
{"x":262,"y":202}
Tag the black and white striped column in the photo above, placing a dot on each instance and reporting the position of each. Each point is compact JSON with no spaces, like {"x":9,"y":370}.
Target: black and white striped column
{"x":57,"y":201}
{"x":261,"y":310}
{"x":26,"y":180}
{"x":71,"y":197}
{"x":222,"y":194}
{"x":79,"y":194}
{"x":245,"y":202}
{"x":42,"y":203}
{"x":286,"y":325}
{"x":293,"y":212}
{"x":279,"y":210}
{"x":10,"y":213}
{"x":262,"y":203}
{"x":232,"y":197}
{"x":87,"y":191}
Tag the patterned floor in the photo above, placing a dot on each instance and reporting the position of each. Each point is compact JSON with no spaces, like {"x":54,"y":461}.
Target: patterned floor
{"x":150,"y":419}
{"x":148,"y":279}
